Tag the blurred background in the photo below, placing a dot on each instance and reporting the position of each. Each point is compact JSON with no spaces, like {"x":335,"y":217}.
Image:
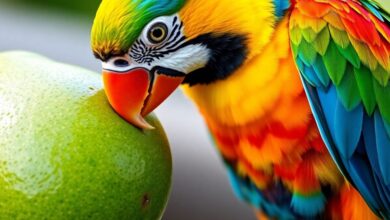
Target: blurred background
{"x":60,"y":30}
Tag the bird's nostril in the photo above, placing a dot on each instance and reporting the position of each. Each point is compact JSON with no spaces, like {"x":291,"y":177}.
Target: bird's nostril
{"x":121,"y":63}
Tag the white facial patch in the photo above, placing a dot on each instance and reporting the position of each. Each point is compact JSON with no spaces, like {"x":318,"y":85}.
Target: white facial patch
{"x":171,"y":52}
{"x":186,"y":59}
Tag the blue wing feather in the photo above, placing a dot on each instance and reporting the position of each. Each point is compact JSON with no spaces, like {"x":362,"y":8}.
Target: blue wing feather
{"x":387,"y":127}
{"x":321,"y":72}
{"x":384,"y":193}
{"x":370,"y":140}
{"x":357,"y":167}
{"x":363,"y":178}
{"x":319,"y":116}
{"x":311,"y":76}
{"x":350,"y":113}
{"x":347,"y":129}
{"x":382,"y":140}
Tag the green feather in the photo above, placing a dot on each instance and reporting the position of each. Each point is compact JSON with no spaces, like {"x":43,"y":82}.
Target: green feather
{"x":321,"y":71}
{"x":307,"y":53}
{"x":365,"y":55}
{"x":295,"y":35}
{"x":339,"y":36}
{"x":294,"y":48}
{"x":335,"y":63}
{"x":366,"y":88}
{"x":381,"y":75}
{"x":386,"y":16}
{"x":348,"y":91}
{"x":309,"y":34}
{"x":382,"y":95}
{"x":350,"y":54}
{"x":322,"y":41}
{"x":116,"y":28}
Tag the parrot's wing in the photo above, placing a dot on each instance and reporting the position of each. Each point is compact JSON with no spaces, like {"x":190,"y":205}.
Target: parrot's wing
{"x":342,"y":49}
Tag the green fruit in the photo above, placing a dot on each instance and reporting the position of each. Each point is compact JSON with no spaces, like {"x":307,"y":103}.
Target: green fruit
{"x":65,"y":154}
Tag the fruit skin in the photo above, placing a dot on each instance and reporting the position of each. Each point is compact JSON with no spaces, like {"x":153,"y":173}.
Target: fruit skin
{"x":65,"y":154}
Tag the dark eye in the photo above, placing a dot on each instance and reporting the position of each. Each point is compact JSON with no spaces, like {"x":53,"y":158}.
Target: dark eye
{"x":157,"y":33}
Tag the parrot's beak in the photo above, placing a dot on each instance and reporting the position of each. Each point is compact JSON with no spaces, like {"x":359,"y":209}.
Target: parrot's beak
{"x":137,"y":92}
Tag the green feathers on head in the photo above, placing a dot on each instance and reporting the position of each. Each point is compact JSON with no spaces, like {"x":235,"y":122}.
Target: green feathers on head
{"x":118,"y":23}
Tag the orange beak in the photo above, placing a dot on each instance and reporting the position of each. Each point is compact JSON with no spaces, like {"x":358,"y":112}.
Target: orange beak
{"x":136,"y":93}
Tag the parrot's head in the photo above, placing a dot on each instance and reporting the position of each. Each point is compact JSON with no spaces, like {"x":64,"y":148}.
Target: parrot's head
{"x":149,"y":47}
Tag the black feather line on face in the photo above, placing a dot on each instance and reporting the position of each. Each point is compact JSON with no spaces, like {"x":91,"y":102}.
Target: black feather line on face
{"x":228,"y":52}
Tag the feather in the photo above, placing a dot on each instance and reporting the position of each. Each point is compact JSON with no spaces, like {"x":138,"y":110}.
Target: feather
{"x":335,"y":63}
{"x":348,"y":91}
{"x":348,"y":127}
{"x":384,"y":195}
{"x":235,"y":183}
{"x":382,"y":95}
{"x":363,"y":180}
{"x":322,"y":41}
{"x":383,"y":148}
{"x":304,"y":21}
{"x":357,"y":61}
{"x":350,"y":54}
{"x":339,"y":36}
{"x":382,"y":28}
{"x":387,"y":127}
{"x":365,"y":85}
{"x":119,"y":23}
{"x":295,"y":48}
{"x":359,"y":27}
{"x":307,"y":200}
{"x":307,"y":53}
{"x":334,"y":20}
{"x":381,"y":75}
{"x":355,"y":167}
{"x":309,"y":35}
{"x":246,"y":190}
{"x":281,"y":6}
{"x":312,"y":9}
{"x":321,"y":72}
{"x":365,"y":54}
{"x":308,"y":205}
{"x":311,"y":76}
{"x":350,"y":200}
{"x":326,"y":118}
{"x":295,"y":35}
{"x":373,"y":10}
{"x":369,"y":144}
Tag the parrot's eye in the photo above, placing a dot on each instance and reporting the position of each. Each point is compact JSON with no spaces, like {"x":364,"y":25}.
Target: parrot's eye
{"x":157,"y":33}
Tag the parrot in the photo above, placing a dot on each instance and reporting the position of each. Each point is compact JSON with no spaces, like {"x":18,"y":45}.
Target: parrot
{"x":294,"y":93}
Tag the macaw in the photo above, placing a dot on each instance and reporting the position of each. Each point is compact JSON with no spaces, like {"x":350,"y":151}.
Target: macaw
{"x":295,"y":93}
